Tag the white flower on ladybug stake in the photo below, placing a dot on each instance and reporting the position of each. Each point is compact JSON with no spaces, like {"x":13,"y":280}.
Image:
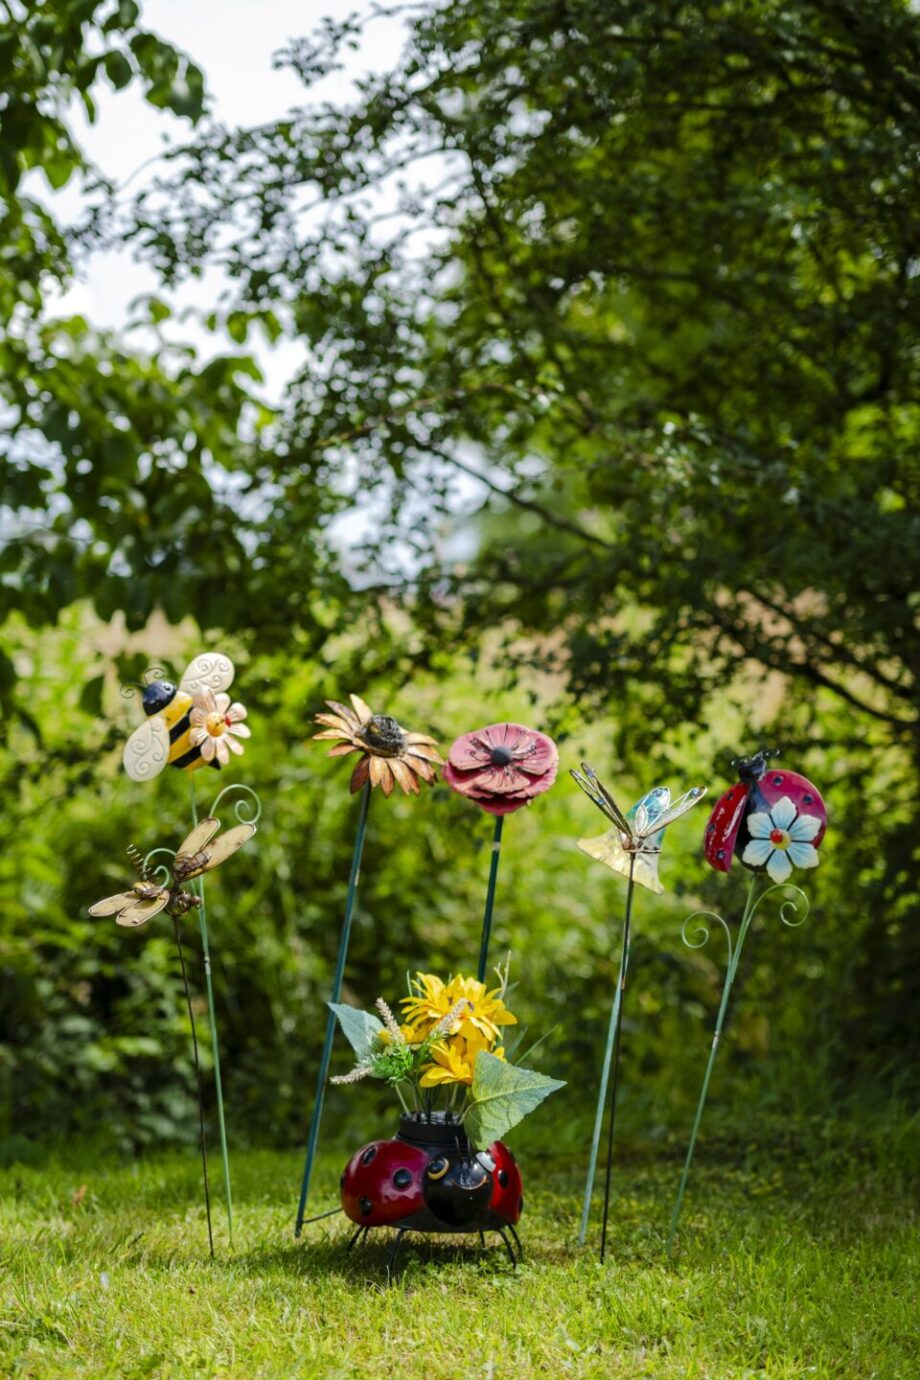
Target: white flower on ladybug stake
{"x":781,"y":840}
{"x":216,"y":726}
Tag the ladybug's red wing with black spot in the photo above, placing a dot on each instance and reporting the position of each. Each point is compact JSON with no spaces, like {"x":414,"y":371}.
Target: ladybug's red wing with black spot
{"x":382,"y":1183}
{"x":758,"y":790}
{"x":507,"y":1201}
{"x":724,"y":826}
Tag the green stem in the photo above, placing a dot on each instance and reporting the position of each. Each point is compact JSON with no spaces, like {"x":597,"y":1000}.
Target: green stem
{"x":720,"y":1021}
{"x":215,"y":1045}
{"x":616,"y":1052}
{"x":339,"y":974}
{"x":490,"y":899}
{"x":612,"y":1027}
{"x":201,"y":1130}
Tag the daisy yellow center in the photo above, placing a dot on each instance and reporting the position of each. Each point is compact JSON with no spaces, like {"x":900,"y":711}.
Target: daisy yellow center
{"x":216,"y":724}
{"x":779,"y":838}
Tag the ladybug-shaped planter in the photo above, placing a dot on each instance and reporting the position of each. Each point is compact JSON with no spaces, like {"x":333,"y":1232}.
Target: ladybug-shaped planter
{"x":430,"y":1179}
{"x":759,"y":789}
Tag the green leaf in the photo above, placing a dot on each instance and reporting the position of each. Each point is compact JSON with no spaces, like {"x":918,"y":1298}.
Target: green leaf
{"x":502,"y":1095}
{"x":360,"y":1028}
{"x":91,"y":696}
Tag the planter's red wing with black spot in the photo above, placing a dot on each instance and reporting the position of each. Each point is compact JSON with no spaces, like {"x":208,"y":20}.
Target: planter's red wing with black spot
{"x":758,"y":789}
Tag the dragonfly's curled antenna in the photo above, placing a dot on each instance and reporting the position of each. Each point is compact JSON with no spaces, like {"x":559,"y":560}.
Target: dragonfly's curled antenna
{"x":137,"y":862}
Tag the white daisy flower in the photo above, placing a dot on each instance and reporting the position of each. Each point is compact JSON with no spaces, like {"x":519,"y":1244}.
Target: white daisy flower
{"x":216,"y":725}
{"x":781,"y":840}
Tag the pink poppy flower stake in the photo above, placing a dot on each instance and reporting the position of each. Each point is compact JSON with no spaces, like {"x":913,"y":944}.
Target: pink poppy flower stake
{"x":773,"y":821}
{"x":502,"y":767}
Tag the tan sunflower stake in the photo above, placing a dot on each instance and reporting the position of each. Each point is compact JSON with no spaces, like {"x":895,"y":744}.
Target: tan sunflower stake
{"x":389,"y":756}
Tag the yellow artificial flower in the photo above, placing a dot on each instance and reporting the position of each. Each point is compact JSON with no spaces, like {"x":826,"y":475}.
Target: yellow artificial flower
{"x":454,"y":1060}
{"x":434,"y":999}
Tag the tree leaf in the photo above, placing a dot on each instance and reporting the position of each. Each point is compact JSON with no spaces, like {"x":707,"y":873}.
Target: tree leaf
{"x":360,"y":1028}
{"x":502,"y":1096}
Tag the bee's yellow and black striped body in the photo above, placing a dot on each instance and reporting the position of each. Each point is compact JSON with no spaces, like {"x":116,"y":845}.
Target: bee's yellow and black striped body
{"x":174,"y":706}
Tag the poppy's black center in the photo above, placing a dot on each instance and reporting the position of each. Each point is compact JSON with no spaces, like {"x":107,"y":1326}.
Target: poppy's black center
{"x":383,"y":736}
{"x":500,"y":756}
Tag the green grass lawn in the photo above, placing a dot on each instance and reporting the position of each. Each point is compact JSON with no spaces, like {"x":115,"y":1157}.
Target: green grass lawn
{"x":789,"y":1265}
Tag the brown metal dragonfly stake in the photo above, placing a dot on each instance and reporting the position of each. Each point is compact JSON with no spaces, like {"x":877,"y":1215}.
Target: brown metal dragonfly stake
{"x":202,"y":850}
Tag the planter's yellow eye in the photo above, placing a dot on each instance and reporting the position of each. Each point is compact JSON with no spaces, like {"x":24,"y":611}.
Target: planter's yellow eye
{"x":438,"y":1167}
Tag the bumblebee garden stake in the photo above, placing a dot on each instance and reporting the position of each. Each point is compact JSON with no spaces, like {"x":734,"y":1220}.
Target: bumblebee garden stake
{"x":200,"y":852}
{"x":631,"y":848}
{"x":773,"y":821}
{"x":389,"y":757}
{"x":189,"y":726}
{"x":501,"y":767}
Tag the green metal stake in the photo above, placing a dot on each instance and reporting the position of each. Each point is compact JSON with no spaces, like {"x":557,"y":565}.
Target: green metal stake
{"x":733,"y":959}
{"x":336,"y":993}
{"x":616,"y":1054}
{"x":612,"y":1028}
{"x":212,"y":1017}
{"x":490,"y":899}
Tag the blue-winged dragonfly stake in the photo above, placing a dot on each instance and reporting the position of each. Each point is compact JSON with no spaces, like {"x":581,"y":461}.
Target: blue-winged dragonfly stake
{"x":773,"y":821}
{"x":190,"y":725}
{"x":164,"y":888}
{"x":631,"y":848}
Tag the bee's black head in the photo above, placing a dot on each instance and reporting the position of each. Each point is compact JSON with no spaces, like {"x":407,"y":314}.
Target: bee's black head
{"x":457,"y":1187}
{"x":157,"y":696}
{"x":751,"y":769}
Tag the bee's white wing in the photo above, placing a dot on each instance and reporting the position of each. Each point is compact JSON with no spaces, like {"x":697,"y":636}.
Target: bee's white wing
{"x":143,"y":911}
{"x":147,"y":750}
{"x":609,"y":850}
{"x":210,"y":671}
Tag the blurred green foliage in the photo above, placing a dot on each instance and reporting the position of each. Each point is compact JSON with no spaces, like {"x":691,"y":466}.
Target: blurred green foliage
{"x":629,"y":450}
{"x":93,"y":1032}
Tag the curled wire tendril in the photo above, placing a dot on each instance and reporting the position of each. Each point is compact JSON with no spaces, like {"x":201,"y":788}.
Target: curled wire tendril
{"x":697,"y":936}
{"x":162,"y":872}
{"x":785,"y":905}
{"x":247,"y":811}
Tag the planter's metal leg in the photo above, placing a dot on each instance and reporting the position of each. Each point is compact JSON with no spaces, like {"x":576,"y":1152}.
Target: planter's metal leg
{"x":508,"y":1248}
{"x":394,"y":1249}
{"x":353,"y":1241}
{"x":517,"y":1241}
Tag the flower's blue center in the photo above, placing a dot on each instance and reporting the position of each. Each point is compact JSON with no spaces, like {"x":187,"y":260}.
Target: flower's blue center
{"x":500,"y":756}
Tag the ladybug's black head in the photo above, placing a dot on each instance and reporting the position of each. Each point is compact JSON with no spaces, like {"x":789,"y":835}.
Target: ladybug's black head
{"x":751,"y":769}
{"x":456,"y":1187}
{"x":157,"y":696}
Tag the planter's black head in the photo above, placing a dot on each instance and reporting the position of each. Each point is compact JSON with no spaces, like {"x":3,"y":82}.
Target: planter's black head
{"x":456,"y":1188}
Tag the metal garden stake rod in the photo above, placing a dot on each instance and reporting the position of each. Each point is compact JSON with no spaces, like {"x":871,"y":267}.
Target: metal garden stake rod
{"x":215,"y":1045}
{"x":734,"y":958}
{"x":204,"y":1143}
{"x":326,"y":1056}
{"x":490,"y":899}
{"x":618,"y":1006}
{"x":613,"y":1037}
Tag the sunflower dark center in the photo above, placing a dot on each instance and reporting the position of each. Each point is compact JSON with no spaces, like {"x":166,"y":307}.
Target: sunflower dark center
{"x":500,"y":756}
{"x":383,"y":736}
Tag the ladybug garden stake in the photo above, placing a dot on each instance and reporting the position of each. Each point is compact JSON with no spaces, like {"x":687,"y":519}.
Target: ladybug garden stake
{"x":774,"y":821}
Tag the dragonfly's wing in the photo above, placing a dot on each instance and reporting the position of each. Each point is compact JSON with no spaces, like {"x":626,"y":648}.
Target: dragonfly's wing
{"x":680,"y":807}
{"x":202,"y":833}
{"x":222,"y":848}
{"x":609,"y":850}
{"x":210,"y":671}
{"x":147,"y":750}
{"x":112,"y":904}
{"x":143,"y":911}
{"x":596,"y":791}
